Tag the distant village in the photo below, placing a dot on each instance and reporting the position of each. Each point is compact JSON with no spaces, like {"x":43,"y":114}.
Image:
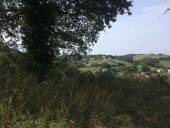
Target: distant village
{"x":141,"y":66}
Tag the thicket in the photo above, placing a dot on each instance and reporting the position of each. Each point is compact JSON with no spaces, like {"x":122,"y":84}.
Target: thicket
{"x":68,"y":98}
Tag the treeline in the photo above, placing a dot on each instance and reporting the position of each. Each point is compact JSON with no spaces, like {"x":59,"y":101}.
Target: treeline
{"x":101,"y":56}
{"x":165,"y":58}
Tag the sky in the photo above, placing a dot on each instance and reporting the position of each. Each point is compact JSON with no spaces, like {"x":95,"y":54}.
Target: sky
{"x":146,"y":31}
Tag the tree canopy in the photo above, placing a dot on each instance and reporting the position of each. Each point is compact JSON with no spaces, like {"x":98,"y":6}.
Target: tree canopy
{"x":47,"y":27}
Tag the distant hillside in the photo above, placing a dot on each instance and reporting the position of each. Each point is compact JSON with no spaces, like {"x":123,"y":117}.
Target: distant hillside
{"x":146,"y":56}
{"x":122,"y":64}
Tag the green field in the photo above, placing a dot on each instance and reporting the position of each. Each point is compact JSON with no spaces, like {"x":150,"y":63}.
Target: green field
{"x":165,"y":63}
{"x":93,"y":69}
{"x":111,"y":62}
{"x":143,"y":56}
{"x":101,"y":61}
{"x":153,"y":62}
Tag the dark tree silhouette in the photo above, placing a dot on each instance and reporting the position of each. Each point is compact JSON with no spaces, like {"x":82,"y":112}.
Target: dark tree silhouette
{"x":46,"y":27}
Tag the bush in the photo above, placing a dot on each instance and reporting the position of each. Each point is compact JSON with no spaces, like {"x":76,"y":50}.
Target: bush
{"x":67,"y":98}
{"x":145,"y":68}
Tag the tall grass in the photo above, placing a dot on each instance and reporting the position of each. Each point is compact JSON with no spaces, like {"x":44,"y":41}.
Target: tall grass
{"x":67,"y":98}
{"x":100,"y":102}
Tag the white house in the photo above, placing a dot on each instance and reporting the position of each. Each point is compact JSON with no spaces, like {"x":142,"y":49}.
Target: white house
{"x":159,"y":70}
{"x":104,"y":69}
{"x":168,"y":71}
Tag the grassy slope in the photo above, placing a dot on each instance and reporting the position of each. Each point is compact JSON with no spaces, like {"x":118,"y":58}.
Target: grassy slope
{"x":145,"y":56}
{"x":110,"y":62}
{"x":116,"y":61}
{"x":104,"y":102}
{"x":165,"y":63}
{"x":93,"y":69}
{"x":70,"y":99}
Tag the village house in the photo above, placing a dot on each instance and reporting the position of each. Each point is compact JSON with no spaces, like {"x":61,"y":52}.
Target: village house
{"x":159,"y":70}
{"x":168,"y":70}
{"x":104,"y":69}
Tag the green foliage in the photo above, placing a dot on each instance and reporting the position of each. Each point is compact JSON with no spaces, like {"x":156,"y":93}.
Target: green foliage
{"x":148,"y":61}
{"x":145,"y":68}
{"x":79,"y":64}
{"x":121,"y":64}
{"x":147,"y":56}
{"x":165,"y":63}
{"x":86,"y":101}
{"x":105,"y":65}
{"x":46,"y":26}
{"x":132,"y":69}
{"x":165,"y":58}
{"x":128,"y":58}
{"x":68,"y":98}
